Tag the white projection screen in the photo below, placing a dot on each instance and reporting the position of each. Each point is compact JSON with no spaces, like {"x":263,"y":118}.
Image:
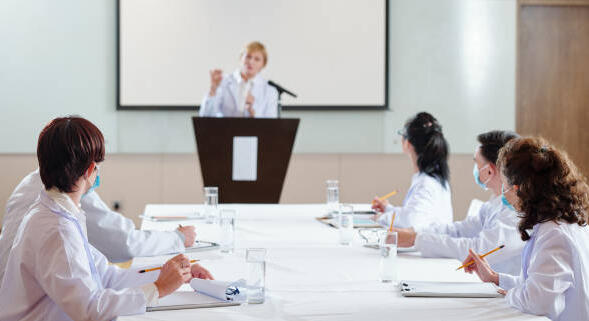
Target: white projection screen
{"x":331,"y":53}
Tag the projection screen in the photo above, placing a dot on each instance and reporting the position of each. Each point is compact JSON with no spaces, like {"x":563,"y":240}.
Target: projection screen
{"x":331,"y":53}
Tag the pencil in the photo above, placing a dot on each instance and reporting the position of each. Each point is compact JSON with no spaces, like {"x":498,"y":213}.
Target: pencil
{"x":471,"y":262}
{"x":392,"y":221}
{"x":382,"y":198}
{"x":159,"y":268}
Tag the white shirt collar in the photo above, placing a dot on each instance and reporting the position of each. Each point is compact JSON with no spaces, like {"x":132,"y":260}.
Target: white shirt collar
{"x":237,"y":76}
{"x":65,"y":202}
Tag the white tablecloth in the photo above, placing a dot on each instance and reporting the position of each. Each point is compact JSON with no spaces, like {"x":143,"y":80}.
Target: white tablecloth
{"x":310,"y":277}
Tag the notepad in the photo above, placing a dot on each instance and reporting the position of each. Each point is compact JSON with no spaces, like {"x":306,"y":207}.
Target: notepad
{"x":203,"y":294}
{"x":157,"y":218}
{"x":449,"y":289}
{"x":201,"y":246}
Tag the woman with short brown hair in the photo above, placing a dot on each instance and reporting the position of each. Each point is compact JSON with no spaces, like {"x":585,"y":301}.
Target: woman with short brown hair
{"x":552,"y":199}
{"x":52,"y":272}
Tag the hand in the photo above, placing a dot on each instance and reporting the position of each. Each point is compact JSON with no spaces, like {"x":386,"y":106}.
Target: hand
{"x":189,"y":234}
{"x":216,"y":77}
{"x":174,"y":273}
{"x":249,"y":104}
{"x":378,"y":205}
{"x":481,"y":267}
{"x":501,"y":291}
{"x":405,"y":236}
{"x":200,"y":272}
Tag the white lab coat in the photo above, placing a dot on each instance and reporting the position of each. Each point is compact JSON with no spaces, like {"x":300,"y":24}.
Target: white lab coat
{"x":225,"y":102}
{"x":554,"y":279}
{"x":426,"y":202}
{"x":49,"y":275}
{"x":494,"y":225}
{"x":111,"y":233}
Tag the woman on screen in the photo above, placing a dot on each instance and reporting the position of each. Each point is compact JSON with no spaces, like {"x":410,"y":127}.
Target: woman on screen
{"x":244,"y":93}
{"x":551,"y":198}
{"x":429,"y":199}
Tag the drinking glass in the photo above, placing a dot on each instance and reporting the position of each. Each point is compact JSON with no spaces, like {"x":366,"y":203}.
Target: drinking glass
{"x":256,"y":276}
{"x":388,"y":256}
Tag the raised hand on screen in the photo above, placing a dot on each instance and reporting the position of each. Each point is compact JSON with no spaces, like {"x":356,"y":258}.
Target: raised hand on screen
{"x":216,"y":77}
{"x":249,"y":105}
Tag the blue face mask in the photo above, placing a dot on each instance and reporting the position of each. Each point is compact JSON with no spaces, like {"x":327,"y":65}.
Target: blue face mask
{"x":96,"y":183}
{"x":477,"y":179}
{"x":504,"y":199}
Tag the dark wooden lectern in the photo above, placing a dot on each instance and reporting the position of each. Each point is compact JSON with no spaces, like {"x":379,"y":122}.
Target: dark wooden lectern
{"x":214,"y":141}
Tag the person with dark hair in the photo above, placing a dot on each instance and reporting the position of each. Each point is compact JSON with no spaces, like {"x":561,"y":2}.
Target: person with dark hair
{"x":551,"y":198}
{"x":429,"y":199}
{"x":53,"y":273}
{"x":494,"y":224}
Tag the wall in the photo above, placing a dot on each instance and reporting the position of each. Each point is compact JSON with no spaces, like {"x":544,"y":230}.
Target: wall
{"x":135,"y":180}
{"x":455,"y":58}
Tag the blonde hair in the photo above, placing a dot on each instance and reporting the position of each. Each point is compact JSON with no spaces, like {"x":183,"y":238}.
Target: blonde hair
{"x":255,"y":46}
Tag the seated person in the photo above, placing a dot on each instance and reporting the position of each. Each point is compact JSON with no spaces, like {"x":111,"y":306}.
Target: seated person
{"x":494,"y":225}
{"x":109,"y":232}
{"x":53,"y":273}
{"x":244,"y":93}
{"x":551,"y":197}
{"x":429,"y":199}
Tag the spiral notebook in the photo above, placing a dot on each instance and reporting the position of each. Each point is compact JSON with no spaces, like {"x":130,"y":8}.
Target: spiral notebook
{"x":449,"y":289}
{"x":208,"y":294}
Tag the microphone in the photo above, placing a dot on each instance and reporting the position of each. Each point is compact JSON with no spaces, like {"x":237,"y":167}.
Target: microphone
{"x":281,"y":89}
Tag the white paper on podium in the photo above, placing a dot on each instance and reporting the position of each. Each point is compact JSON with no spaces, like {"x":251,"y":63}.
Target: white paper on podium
{"x":245,"y":158}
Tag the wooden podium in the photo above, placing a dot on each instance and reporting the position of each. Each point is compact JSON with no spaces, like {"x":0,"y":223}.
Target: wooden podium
{"x":273,"y":140}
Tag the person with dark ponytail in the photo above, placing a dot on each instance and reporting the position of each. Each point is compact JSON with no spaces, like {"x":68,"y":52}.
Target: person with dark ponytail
{"x":551,"y":198}
{"x":429,"y":199}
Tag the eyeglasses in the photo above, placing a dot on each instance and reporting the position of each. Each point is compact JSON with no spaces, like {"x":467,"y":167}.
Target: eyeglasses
{"x":402,"y":133}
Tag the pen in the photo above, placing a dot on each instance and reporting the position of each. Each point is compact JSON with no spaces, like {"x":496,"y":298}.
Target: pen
{"x":471,"y":262}
{"x":159,"y":268}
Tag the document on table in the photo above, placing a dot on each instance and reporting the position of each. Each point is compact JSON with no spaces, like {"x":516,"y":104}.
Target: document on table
{"x":203,"y":294}
{"x":449,"y":289}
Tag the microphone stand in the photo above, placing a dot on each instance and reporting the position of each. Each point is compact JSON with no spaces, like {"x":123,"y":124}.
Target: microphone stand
{"x":281,"y":90}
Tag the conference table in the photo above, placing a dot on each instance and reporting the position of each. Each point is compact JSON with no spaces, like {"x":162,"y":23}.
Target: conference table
{"x":309,"y":276}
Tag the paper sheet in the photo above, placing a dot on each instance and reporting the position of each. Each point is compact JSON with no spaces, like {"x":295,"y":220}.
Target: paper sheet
{"x":245,"y":158}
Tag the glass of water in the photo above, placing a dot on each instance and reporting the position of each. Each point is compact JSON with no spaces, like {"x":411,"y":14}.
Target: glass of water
{"x":211,"y":204}
{"x":332,"y":196}
{"x":388,"y":256}
{"x":345,"y":224}
{"x":256,"y":275}
{"x":227,"y":227}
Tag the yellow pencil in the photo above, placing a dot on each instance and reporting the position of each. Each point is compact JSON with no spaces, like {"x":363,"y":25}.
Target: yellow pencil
{"x":392,"y":221}
{"x":159,"y":268}
{"x":471,"y":262}
{"x":382,"y":198}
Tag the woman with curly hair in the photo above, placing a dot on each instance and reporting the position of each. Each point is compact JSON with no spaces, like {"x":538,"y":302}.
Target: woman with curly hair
{"x":552,"y":199}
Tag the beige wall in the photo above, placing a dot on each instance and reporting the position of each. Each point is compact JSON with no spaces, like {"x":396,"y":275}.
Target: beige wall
{"x":137,"y":179}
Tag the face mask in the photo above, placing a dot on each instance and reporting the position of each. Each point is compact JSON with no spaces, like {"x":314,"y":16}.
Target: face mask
{"x":96,"y":183}
{"x":477,"y":179}
{"x":504,"y":199}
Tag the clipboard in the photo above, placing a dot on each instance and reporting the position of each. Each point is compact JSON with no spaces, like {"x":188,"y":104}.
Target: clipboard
{"x":449,"y":289}
{"x":362,"y":219}
{"x":201,"y":246}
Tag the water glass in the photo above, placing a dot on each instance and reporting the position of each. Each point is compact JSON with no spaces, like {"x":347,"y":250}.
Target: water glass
{"x":227,"y":228}
{"x":256,"y":275}
{"x":211,"y":204}
{"x":332,"y":196}
{"x":346,"y":224}
{"x":388,"y":256}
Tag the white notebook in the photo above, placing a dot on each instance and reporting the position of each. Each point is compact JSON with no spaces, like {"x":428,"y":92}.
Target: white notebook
{"x":208,"y":294}
{"x":449,"y":289}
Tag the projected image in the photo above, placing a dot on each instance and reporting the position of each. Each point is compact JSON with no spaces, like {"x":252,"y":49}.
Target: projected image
{"x":331,"y":53}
